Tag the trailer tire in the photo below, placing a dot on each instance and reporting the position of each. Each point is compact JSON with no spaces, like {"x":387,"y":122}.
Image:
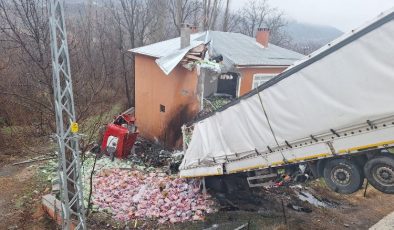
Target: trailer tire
{"x":343,"y":175}
{"x":380,"y":173}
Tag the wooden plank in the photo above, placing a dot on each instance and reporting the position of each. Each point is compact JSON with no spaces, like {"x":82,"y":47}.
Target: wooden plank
{"x":193,"y":57}
{"x":198,"y":49}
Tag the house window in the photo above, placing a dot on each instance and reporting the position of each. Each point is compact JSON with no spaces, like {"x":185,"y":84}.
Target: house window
{"x":162,"y":108}
{"x":261,"y":78}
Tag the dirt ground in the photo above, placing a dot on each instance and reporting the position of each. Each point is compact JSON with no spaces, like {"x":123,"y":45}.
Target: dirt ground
{"x":20,"y":195}
{"x":21,"y":188}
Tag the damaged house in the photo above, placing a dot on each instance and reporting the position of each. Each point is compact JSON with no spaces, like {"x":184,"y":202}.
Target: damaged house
{"x":173,"y":77}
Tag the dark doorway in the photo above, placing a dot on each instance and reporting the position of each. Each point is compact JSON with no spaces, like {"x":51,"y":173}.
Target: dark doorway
{"x":227,"y":84}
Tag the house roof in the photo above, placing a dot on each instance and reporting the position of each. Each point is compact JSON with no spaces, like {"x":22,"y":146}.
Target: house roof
{"x":239,"y":49}
{"x":236,"y":49}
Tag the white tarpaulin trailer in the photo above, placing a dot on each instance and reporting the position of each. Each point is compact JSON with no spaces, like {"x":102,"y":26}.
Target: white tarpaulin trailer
{"x":339,"y":100}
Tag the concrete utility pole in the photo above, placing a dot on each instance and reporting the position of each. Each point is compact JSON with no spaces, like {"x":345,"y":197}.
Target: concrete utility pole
{"x":73,"y":213}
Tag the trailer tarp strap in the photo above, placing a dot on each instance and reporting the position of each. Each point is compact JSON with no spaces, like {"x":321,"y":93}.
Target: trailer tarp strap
{"x":269,"y":124}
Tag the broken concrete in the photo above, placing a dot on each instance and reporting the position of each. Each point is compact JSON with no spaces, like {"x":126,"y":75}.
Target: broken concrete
{"x":52,"y":206}
{"x":387,"y":223}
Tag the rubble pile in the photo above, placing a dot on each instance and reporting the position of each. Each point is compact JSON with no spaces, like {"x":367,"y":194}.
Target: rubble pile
{"x":195,"y":54}
{"x":133,"y":194}
{"x":149,"y":154}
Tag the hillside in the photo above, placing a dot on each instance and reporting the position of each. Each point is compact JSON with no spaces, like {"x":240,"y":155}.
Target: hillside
{"x":310,"y":33}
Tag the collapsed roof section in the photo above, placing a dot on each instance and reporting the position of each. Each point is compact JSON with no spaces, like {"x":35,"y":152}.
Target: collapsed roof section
{"x":170,"y":53}
{"x":169,"y":62}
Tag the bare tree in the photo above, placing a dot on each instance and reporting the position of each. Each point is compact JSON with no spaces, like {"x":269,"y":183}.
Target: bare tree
{"x":162,"y":27}
{"x":230,"y":23}
{"x":26,"y":76}
{"x":226,"y":16}
{"x":130,"y":19}
{"x":278,"y":35}
{"x":184,"y":11}
{"x":256,"y":14}
{"x":211,"y":9}
{"x":24,"y":28}
{"x":124,"y":22}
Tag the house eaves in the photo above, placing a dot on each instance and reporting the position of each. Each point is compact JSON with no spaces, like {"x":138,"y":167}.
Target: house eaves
{"x":163,"y":48}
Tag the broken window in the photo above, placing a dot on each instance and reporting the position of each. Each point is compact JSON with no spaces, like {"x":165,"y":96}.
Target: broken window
{"x":261,"y":78}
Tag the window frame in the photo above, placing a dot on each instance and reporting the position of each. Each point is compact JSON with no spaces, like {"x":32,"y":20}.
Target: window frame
{"x":267,"y":75}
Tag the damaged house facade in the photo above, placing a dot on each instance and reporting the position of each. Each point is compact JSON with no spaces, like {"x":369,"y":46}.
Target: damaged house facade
{"x":173,"y":78}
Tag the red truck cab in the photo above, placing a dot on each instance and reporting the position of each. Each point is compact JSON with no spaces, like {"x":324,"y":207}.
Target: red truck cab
{"x":120,"y":136}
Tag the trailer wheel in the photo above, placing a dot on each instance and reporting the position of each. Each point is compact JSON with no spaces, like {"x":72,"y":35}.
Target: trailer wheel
{"x":380,"y":173}
{"x":343,"y":176}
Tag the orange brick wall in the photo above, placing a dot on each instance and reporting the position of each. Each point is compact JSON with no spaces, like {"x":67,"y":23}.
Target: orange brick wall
{"x":247,"y":76}
{"x":177,"y":92}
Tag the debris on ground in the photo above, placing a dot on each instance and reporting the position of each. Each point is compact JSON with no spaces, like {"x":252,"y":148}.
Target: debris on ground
{"x":143,"y":196}
{"x":308,"y":197}
{"x":304,"y":194}
{"x":150,"y":154}
{"x":144,"y":187}
{"x":299,"y":208}
{"x":50,"y":173}
{"x":35,"y":159}
{"x":131,"y":194}
{"x":141,"y":186}
{"x":49,"y":170}
{"x":243,"y":226}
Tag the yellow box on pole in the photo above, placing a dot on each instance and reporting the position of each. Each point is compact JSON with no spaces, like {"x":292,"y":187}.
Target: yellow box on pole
{"x":74,"y":127}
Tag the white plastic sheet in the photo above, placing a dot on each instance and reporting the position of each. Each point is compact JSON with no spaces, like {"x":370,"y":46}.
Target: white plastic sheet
{"x":348,"y":86}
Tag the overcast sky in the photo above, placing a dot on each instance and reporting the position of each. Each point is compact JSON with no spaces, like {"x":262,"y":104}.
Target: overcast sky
{"x":342,"y":14}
